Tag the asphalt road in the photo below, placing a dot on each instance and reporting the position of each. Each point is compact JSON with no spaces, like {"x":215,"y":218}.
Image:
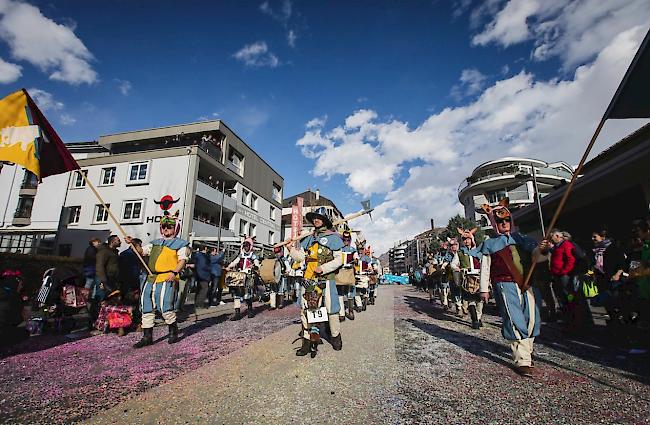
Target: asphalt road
{"x":404,"y":360}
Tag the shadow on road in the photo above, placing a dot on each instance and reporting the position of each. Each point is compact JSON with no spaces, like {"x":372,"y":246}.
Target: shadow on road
{"x":586,"y":347}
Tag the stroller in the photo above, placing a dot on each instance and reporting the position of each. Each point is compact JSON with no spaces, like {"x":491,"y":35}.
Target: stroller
{"x":59,"y":298}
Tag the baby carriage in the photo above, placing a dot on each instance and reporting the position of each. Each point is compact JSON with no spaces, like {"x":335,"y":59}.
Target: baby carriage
{"x":60,"y":297}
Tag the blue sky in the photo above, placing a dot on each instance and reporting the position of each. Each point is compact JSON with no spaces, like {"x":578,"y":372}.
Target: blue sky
{"x":394,"y":100}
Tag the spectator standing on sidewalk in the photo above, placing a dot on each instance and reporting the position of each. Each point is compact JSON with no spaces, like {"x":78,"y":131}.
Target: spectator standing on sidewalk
{"x":132,"y":275}
{"x":608,"y":262}
{"x":202,"y":275}
{"x":216,"y":291}
{"x":90,"y":262}
{"x":107,"y":273}
{"x":563,"y":263}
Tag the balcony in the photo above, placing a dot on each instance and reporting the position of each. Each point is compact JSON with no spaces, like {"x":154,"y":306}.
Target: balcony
{"x":209,"y":193}
{"x":235,"y":168}
{"x":208,"y":229}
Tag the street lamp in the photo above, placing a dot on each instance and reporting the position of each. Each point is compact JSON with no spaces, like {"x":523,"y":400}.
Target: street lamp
{"x":223,"y":196}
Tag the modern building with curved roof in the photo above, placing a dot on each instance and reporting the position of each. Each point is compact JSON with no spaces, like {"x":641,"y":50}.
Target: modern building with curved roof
{"x":510,"y":177}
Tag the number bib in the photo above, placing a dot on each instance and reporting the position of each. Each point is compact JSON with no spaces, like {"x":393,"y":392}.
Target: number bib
{"x":317,"y":316}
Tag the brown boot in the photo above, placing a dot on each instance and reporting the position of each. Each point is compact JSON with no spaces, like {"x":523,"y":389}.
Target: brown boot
{"x":525,"y":371}
{"x":305,"y":348}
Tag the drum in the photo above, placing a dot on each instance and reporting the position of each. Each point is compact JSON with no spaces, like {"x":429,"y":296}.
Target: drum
{"x":235,"y":278}
{"x":471,"y":284}
{"x":271,"y":271}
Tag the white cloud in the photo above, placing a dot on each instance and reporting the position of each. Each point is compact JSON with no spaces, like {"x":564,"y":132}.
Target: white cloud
{"x":9,"y":72}
{"x":52,"y":47}
{"x":317,"y":122}
{"x":257,"y":55}
{"x":472,"y":81}
{"x":124,"y":86}
{"x":575,"y":31}
{"x":291,"y":38}
{"x":510,"y":24}
{"x":282,"y":14}
{"x":67,"y":119}
{"x":548,"y":119}
{"x":45,"y":100}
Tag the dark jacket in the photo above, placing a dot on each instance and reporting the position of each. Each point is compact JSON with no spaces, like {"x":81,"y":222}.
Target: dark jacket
{"x":215,"y":264}
{"x":130,"y":269}
{"x":90,"y":261}
{"x":613,"y":261}
{"x":201,"y":262}
{"x":108,"y":266}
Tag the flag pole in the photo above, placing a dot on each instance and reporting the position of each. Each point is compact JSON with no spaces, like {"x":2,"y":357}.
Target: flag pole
{"x":565,"y":196}
{"x":110,"y":213}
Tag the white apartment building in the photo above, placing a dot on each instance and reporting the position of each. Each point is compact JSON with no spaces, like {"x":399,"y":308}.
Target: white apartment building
{"x":513,"y":178}
{"x":220,"y":187}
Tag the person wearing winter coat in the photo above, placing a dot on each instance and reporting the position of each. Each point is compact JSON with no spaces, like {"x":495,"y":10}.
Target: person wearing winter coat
{"x":562,"y":265}
{"x":216,"y":260}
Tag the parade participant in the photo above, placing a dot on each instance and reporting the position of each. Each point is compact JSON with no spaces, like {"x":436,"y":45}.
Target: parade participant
{"x":246,"y":262}
{"x":346,"y":291}
{"x":443,"y":259}
{"x":321,"y":252}
{"x":456,"y":277}
{"x":430,"y":276}
{"x":504,"y":263}
{"x":278,"y":290}
{"x":294,"y":279}
{"x":470,"y":267}
{"x":167,"y":257}
{"x":363,"y":269}
{"x":373,"y":276}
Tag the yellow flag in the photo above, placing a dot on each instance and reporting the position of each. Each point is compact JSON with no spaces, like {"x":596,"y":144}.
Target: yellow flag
{"x":18,"y":138}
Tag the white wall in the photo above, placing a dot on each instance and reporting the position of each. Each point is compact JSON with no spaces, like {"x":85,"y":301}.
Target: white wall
{"x":167,"y":176}
{"x":48,"y":201}
{"x":260,"y":218}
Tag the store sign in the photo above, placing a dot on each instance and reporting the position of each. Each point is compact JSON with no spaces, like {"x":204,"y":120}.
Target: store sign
{"x":256,"y":218}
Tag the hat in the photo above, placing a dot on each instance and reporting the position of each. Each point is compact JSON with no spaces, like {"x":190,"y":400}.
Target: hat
{"x":468,"y":234}
{"x":169,"y":219}
{"x":321,"y":213}
{"x":500,"y":211}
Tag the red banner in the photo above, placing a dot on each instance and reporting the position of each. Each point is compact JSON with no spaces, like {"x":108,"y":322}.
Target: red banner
{"x":296,"y":218}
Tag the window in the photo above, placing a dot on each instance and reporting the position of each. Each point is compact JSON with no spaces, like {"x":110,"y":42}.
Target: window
{"x":132,"y":210}
{"x":236,"y":161}
{"x":245,"y":197}
{"x":277,"y":192}
{"x":138,"y":173}
{"x":242,"y":227}
{"x":24,"y":209}
{"x":272,"y":213}
{"x":252,"y":230}
{"x":101,"y":213}
{"x":30,"y":181}
{"x":254,"y":202}
{"x":271,"y":238}
{"x":75,"y":214}
{"x":108,"y":176}
{"x":77,"y":179}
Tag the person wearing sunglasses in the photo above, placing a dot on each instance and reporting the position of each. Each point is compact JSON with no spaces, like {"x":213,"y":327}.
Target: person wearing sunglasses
{"x":167,"y":257}
{"x":505,"y":262}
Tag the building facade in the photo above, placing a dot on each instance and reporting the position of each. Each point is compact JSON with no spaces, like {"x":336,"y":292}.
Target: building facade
{"x":312,"y":200}
{"x":513,"y":178}
{"x":221,"y":189}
